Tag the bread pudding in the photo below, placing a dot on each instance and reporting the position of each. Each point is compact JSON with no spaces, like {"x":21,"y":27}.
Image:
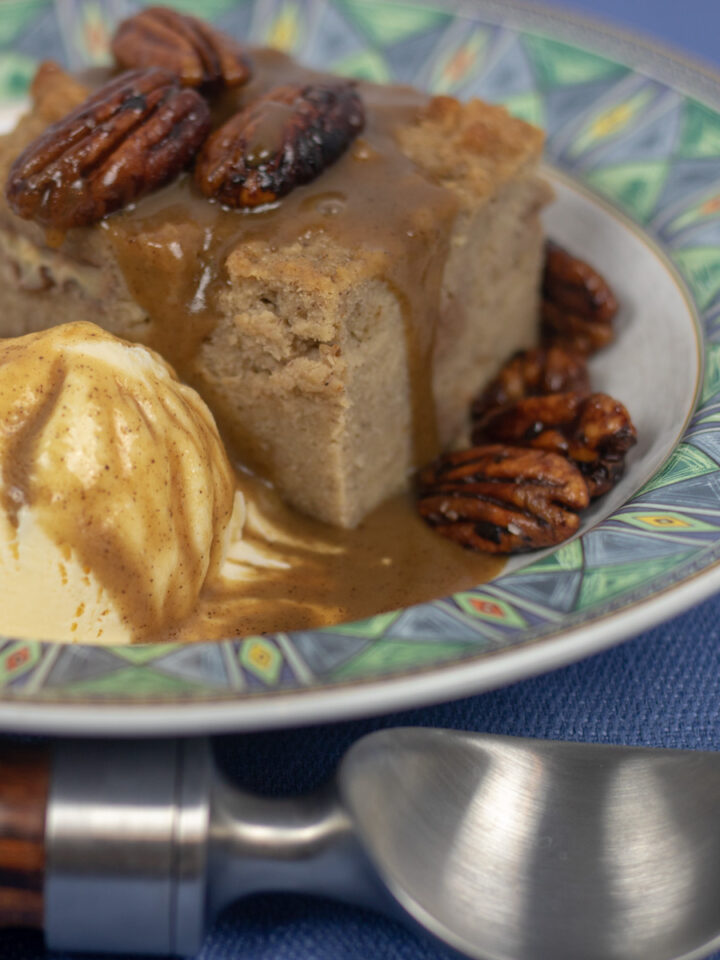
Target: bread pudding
{"x":339,"y":333}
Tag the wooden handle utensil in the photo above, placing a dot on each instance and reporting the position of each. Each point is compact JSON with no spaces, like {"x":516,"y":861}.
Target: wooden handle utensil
{"x":24,"y":786}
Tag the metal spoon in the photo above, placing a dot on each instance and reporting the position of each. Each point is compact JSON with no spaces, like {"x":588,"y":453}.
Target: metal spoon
{"x":505,"y":849}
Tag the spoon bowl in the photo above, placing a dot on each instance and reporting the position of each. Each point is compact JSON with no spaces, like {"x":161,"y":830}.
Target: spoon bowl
{"x":511,"y":849}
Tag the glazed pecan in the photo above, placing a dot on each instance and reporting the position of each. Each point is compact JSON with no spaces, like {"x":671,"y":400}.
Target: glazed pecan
{"x":184,"y":45}
{"x":283,"y":139}
{"x":603,"y":435}
{"x":578,"y":305}
{"x":503,"y":499}
{"x":133,"y":135}
{"x":538,"y":421}
{"x":594,"y":431}
{"x":530,"y":373}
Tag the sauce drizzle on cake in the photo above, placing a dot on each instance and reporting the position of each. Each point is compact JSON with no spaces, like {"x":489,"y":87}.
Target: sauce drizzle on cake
{"x":173,"y":245}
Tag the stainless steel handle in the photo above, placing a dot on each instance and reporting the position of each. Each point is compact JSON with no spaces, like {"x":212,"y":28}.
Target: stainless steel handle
{"x":126,"y":841}
{"x":307,"y":844}
{"x":146,"y":842}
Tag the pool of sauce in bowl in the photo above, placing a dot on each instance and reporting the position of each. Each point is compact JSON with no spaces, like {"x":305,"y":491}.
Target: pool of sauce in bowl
{"x":326,"y":575}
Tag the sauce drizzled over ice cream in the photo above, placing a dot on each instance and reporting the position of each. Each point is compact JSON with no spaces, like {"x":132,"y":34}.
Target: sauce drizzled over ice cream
{"x":116,"y":495}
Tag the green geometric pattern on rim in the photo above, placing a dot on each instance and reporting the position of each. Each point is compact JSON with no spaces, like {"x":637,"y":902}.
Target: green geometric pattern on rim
{"x":654,"y":152}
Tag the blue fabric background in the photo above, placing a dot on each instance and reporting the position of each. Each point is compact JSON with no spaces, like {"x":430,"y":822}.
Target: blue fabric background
{"x":661,"y":689}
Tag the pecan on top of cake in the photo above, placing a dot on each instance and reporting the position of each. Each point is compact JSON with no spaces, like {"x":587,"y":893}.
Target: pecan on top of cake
{"x":190,"y":48}
{"x":283,"y":139}
{"x":135,"y":134}
{"x":145,"y":126}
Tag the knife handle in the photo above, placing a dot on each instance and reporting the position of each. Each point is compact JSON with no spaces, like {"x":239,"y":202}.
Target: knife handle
{"x":24,"y":786}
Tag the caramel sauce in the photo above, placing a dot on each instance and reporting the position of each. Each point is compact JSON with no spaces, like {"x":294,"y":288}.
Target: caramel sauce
{"x":323,"y":575}
{"x":268,"y":132}
{"x":23,"y":430}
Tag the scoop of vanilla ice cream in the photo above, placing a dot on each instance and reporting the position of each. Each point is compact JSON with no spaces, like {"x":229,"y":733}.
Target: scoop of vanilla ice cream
{"x":117,"y":500}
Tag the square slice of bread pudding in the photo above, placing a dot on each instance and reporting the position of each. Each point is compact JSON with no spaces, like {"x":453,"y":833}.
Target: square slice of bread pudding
{"x":338,"y":332}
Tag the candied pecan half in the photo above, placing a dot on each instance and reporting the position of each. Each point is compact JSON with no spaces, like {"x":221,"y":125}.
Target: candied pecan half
{"x":530,"y":373}
{"x":133,"y":135}
{"x":603,"y":435}
{"x":578,"y":305}
{"x":503,"y":499}
{"x":594,"y":431}
{"x":184,"y":45}
{"x":537,"y":421}
{"x":283,"y":139}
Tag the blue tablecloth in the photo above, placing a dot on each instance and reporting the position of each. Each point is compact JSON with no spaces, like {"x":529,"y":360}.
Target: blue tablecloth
{"x":661,"y":689}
